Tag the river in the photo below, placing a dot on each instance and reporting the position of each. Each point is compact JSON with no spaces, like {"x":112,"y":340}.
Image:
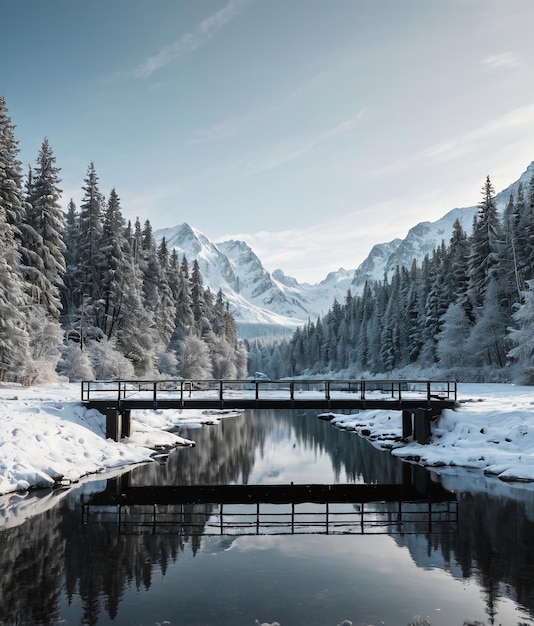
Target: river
{"x":465,"y":558}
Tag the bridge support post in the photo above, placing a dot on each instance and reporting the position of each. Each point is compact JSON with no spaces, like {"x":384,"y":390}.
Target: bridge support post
{"x":126,"y":423}
{"x":422,"y":430}
{"x":112,"y":423}
{"x":407,"y":424}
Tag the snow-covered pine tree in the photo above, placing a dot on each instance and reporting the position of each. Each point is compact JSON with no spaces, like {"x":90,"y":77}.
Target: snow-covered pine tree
{"x":166,"y":310}
{"x":184,"y":309}
{"x":90,"y":223}
{"x":522,"y":218}
{"x":71,"y":293}
{"x":509,"y":259}
{"x":45,"y":216}
{"x":13,"y":331}
{"x":522,"y":337}
{"x":197,"y":293}
{"x":457,"y":278}
{"x":109,"y":268}
{"x":452,"y":351}
{"x":484,"y":249}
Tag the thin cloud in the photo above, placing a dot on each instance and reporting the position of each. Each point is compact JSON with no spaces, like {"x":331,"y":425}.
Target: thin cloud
{"x":288,"y":152}
{"x":517,"y":118}
{"x":520,"y":118}
{"x":506,"y":60}
{"x":223,"y":129}
{"x":191,"y":41}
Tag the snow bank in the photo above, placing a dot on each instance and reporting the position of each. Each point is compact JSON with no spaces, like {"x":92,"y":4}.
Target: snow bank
{"x":492,"y":430}
{"x":48,"y":437}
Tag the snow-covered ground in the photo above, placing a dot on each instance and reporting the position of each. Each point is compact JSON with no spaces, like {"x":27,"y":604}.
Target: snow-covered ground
{"x":492,"y":430}
{"x":47,"y":436}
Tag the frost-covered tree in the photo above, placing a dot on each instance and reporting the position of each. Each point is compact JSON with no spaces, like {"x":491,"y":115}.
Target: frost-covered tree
{"x":485,"y":244}
{"x":452,"y":350}
{"x":108,"y":362}
{"x":71,"y":293}
{"x":198,"y":304}
{"x":45,"y":216}
{"x":487,"y":340}
{"x":109,"y":268}
{"x":90,"y":224}
{"x":522,"y":337}
{"x":75,"y":363}
{"x":44,"y":350}
{"x":13,"y":332}
{"x":195,"y":361}
{"x":166,"y":309}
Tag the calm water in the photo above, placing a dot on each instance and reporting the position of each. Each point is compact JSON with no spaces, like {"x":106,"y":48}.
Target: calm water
{"x":172,"y":564}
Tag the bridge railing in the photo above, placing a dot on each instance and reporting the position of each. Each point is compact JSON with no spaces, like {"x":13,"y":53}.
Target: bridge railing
{"x":118,"y":390}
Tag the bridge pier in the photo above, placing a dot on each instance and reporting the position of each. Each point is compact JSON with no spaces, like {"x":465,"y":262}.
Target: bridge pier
{"x":126,"y":422}
{"x":407,"y":424}
{"x":118,"y":423}
{"x":416,"y":423}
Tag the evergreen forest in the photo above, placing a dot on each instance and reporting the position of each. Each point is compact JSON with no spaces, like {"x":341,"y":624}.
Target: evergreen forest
{"x":88,"y":295}
{"x":466,"y":312}
{"x":85,"y":294}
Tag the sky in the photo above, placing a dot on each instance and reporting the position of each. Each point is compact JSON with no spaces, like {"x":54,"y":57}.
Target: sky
{"x":311,"y":129}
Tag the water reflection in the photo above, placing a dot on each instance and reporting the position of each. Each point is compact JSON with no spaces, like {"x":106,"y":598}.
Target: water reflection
{"x":62,"y":569}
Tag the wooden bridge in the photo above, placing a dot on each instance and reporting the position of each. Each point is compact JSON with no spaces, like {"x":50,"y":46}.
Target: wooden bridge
{"x":421,"y":401}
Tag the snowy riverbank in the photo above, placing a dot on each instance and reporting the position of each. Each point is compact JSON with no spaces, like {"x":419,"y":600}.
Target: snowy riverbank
{"x":46,"y":434}
{"x":492,"y":430}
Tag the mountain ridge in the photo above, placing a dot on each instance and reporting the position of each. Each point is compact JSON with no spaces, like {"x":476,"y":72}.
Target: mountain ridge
{"x":273,"y":304}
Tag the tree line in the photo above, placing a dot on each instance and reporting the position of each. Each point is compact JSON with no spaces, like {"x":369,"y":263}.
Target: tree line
{"x":466,"y":311}
{"x":88,"y":295}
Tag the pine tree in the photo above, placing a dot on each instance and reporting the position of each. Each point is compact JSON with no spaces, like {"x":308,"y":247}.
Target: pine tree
{"x":452,"y":339}
{"x":166,"y":311}
{"x":197,"y":293}
{"x":485,"y":243}
{"x":522,"y":337}
{"x":46,"y":218}
{"x":13,"y":331}
{"x":90,"y":223}
{"x":109,"y":267}
{"x":457,"y":279}
{"x":71,"y":293}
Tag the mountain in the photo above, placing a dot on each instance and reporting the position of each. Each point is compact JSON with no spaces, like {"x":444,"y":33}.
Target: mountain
{"x":425,"y":236}
{"x":258,"y":305}
{"x":271,"y":305}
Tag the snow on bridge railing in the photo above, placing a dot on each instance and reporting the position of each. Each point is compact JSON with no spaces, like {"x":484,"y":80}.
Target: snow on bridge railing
{"x":183,"y":389}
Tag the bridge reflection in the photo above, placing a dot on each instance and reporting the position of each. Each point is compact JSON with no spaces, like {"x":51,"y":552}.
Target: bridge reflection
{"x":208,"y":510}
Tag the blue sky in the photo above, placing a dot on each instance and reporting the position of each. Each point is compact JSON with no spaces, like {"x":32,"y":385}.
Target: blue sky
{"x":312,"y":129}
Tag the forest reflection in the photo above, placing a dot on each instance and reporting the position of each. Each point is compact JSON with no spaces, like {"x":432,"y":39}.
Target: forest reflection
{"x":54,"y":559}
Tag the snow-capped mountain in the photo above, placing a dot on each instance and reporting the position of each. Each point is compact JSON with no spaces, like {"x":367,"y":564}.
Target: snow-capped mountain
{"x":423,"y":238}
{"x":266,"y":304}
{"x":259,"y":306}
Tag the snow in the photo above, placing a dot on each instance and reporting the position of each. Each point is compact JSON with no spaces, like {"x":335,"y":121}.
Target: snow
{"x":47,"y":437}
{"x":492,"y":430}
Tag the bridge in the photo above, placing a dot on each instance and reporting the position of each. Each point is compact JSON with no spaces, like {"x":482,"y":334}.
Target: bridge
{"x":416,"y":505}
{"x":420,"y":401}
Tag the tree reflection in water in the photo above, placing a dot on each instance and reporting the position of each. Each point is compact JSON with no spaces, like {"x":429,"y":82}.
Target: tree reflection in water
{"x":53,"y":560}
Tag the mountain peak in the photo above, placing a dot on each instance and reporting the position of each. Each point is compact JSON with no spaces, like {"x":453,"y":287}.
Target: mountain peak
{"x":267,"y":304}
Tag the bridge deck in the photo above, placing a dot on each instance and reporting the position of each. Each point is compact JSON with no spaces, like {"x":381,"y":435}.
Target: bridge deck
{"x":235,"y":394}
{"x":119,"y":397}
